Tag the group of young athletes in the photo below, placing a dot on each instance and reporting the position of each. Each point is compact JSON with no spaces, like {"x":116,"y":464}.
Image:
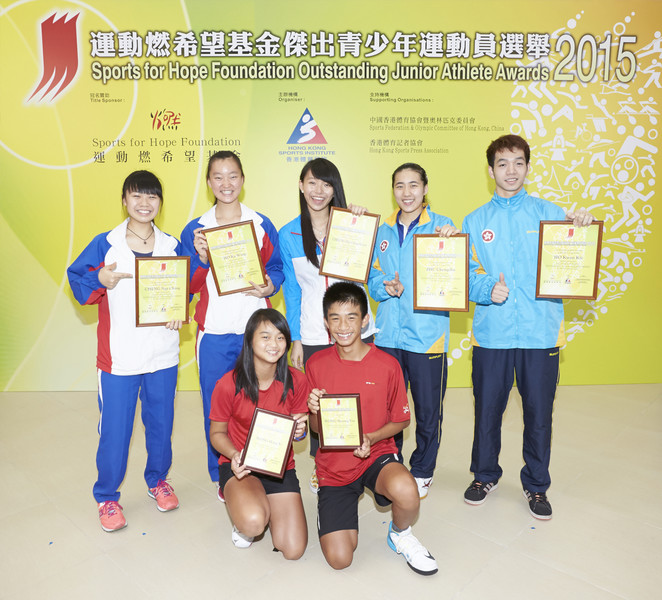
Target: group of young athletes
{"x":242,"y":348}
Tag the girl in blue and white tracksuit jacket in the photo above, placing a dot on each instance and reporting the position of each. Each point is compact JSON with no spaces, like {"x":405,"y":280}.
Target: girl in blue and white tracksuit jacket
{"x":301,"y":249}
{"x":131,"y":360}
{"x":222,"y":319}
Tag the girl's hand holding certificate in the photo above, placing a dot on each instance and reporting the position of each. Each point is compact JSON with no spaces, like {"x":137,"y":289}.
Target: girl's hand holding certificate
{"x":261,"y":291}
{"x":446,"y":231}
{"x":301,"y":429}
{"x":200,"y":244}
{"x":240,"y":471}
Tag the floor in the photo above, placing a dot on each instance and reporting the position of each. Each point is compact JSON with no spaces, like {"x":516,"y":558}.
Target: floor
{"x":604,"y":542}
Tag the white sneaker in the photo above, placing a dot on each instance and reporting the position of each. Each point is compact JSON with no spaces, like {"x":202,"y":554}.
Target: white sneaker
{"x":240,"y":540}
{"x":423,"y":484}
{"x":416,"y":555}
{"x":314,"y":483}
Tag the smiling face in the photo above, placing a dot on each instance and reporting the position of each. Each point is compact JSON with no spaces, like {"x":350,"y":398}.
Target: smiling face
{"x":344,"y":323}
{"x":409,"y":191}
{"x":141,"y":207}
{"x":269,"y":343}
{"x":509,"y":172}
{"x":317,"y":193}
{"x":225,"y":180}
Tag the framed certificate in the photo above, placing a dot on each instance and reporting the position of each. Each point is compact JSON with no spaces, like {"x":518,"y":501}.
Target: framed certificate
{"x":568,"y":260}
{"x":162,"y":290}
{"x":268,"y":443}
{"x":339,"y":421}
{"x":234,"y":257}
{"x":348,"y":245}
{"x":441,"y":272}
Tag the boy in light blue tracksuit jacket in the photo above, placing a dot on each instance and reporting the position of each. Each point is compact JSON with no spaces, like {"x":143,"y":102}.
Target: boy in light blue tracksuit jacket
{"x":513,"y":333}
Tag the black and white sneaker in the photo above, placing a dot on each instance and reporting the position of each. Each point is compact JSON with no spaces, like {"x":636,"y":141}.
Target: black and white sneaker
{"x":539,"y":506}
{"x":478,"y":490}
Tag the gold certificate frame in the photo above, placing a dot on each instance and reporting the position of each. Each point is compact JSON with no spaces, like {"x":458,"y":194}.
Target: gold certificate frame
{"x":348,"y":246}
{"x":162,"y":290}
{"x":234,"y":257}
{"x":441,"y":272}
{"x":268,"y":443}
{"x":569,"y":260}
{"x":339,"y":422}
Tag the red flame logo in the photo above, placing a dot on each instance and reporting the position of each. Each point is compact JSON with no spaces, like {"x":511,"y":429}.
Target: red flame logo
{"x":59,"y":55}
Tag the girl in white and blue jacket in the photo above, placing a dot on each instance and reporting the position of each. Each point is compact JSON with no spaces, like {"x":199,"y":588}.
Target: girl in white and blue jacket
{"x":131,"y":361}
{"x":301,"y":246}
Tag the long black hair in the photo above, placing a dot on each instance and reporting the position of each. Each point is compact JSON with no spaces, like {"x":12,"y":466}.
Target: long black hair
{"x":244,"y":371}
{"x":323,"y":169}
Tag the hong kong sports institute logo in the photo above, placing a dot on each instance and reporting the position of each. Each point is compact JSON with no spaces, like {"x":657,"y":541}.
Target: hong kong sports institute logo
{"x":59,"y":56}
{"x":306,"y":131}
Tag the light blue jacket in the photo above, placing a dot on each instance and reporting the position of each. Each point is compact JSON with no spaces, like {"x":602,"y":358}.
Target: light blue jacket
{"x":400,"y":326}
{"x":503,"y":238}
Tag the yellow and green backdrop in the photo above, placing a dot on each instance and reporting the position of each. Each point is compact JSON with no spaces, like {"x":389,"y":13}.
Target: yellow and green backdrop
{"x":94,"y":90}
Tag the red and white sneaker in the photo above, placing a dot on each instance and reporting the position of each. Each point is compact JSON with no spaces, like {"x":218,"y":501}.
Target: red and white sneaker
{"x":219,"y":493}
{"x":111,"y":516}
{"x":423,"y":484}
{"x":164,"y":495}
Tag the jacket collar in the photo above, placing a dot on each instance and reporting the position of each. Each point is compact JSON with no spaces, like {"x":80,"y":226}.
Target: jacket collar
{"x":392,"y":220}
{"x":512,"y":202}
{"x":208,"y":219}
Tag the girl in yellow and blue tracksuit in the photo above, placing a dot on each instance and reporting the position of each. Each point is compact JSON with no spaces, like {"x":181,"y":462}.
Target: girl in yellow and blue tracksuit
{"x":418,"y":339}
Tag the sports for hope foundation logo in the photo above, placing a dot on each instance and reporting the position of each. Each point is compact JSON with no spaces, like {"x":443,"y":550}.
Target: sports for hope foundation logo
{"x":59,"y":56}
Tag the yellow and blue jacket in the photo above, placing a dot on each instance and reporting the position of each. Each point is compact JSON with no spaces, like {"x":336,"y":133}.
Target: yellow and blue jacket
{"x":400,"y":326}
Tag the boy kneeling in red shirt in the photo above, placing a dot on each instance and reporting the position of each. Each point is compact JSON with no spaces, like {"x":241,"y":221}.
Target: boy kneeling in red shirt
{"x":352,"y":366}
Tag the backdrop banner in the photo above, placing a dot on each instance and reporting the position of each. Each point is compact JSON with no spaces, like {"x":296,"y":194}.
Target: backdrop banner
{"x":93,"y":91}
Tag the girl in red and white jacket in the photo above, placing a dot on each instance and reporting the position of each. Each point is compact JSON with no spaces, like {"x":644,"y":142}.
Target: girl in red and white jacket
{"x":131,"y":361}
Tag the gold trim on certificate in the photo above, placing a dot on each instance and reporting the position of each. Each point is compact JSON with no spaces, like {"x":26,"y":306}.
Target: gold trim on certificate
{"x":162,"y":290}
{"x":234,"y":257}
{"x":348,"y":245}
{"x":568,"y":260}
{"x":268,"y":443}
{"x":339,"y":421}
{"x":441,"y":272}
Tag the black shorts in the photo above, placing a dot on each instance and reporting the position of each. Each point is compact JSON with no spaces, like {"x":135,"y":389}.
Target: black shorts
{"x":338,"y":506}
{"x":271,"y":485}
